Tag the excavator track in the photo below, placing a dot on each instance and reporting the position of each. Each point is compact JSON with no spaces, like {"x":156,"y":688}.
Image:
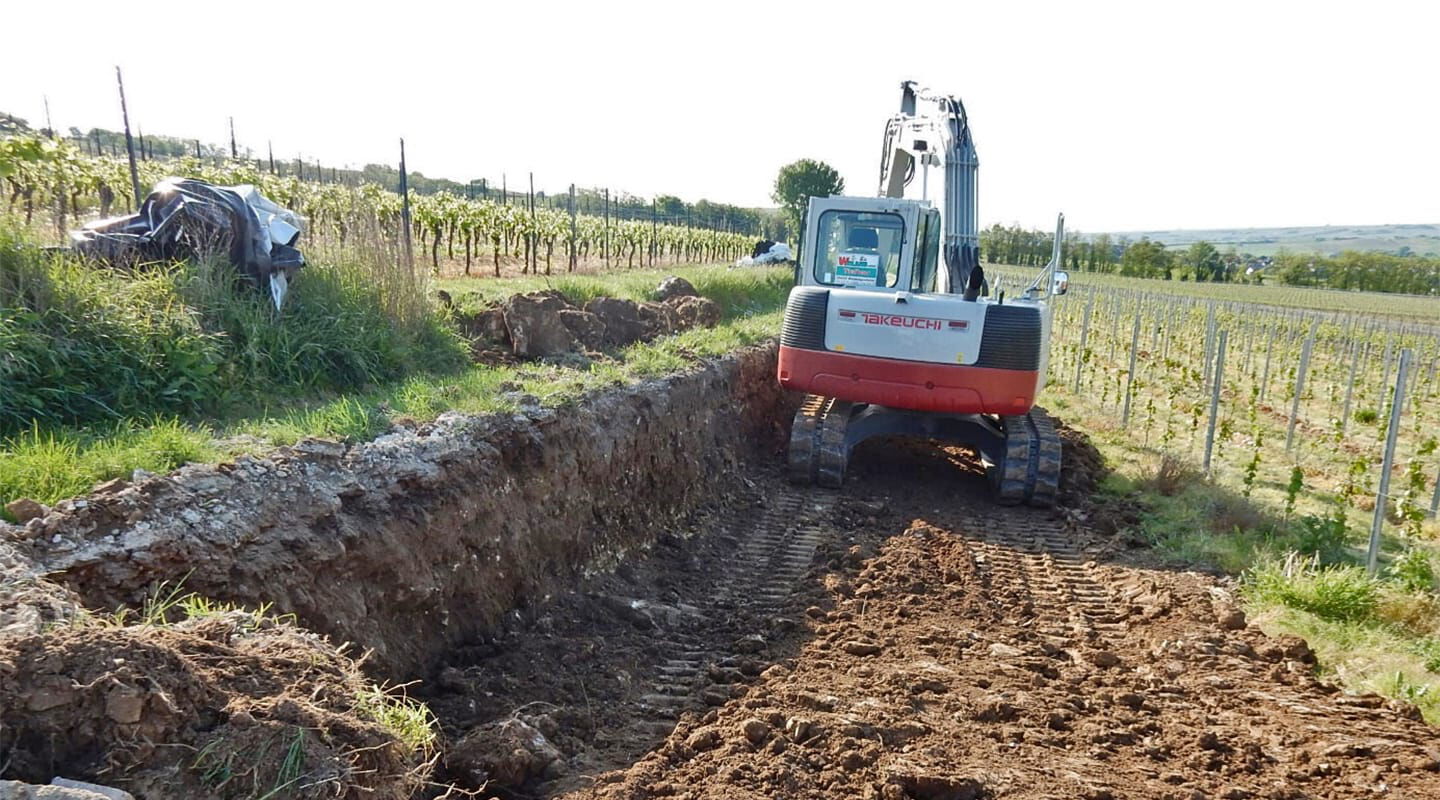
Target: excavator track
{"x":803,"y":432}
{"x":1030,"y":470}
{"x":818,"y":453}
{"x":1027,"y":474}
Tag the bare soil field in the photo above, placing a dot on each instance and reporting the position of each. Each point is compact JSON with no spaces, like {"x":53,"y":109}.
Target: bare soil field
{"x":935,"y":647}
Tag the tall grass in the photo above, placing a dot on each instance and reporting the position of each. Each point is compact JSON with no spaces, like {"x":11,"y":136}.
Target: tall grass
{"x":80,"y":344}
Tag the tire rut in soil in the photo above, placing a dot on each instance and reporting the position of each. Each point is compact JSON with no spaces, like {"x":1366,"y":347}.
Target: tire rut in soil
{"x":698,"y":646}
{"x":970,"y":651}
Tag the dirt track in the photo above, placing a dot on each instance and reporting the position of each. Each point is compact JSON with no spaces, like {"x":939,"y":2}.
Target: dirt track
{"x":935,"y":646}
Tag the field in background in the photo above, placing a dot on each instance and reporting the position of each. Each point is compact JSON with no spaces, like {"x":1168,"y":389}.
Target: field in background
{"x":1417,"y":308}
{"x":1328,"y":239}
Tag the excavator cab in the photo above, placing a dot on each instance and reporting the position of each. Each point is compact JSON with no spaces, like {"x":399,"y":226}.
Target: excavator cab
{"x":855,"y":243}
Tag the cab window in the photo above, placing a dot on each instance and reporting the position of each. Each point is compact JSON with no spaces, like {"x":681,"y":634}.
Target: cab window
{"x":859,"y":248}
{"x":927,"y":253}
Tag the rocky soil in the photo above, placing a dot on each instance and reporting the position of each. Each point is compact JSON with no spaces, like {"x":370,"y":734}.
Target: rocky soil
{"x":935,"y":647}
{"x":544,"y":324}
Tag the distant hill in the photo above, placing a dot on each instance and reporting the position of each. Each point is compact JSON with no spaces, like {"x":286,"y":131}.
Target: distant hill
{"x":1420,"y":239}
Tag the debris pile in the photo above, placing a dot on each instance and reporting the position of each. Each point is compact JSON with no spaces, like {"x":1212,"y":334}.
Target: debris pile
{"x":545,"y":324}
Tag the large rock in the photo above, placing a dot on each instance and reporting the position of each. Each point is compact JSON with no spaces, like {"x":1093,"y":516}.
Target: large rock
{"x":502,"y":755}
{"x":659,"y":318}
{"x":487,"y":327}
{"x":695,"y":312}
{"x":535,"y":327}
{"x":622,"y":319}
{"x":15,"y":790}
{"x":675,"y":286}
{"x":584,"y":326}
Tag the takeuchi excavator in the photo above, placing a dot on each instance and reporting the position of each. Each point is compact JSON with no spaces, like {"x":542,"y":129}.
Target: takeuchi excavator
{"x":892,"y":328}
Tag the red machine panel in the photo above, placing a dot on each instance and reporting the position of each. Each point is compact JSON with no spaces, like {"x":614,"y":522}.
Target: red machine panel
{"x":914,"y":385}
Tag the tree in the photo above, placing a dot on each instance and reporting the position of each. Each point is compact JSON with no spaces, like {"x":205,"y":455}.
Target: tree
{"x":1146,"y":259}
{"x":669,"y":207}
{"x":1204,"y":262}
{"x":800,"y":181}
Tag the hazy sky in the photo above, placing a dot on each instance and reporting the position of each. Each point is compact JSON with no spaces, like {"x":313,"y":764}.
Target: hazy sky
{"x":1126,"y":116}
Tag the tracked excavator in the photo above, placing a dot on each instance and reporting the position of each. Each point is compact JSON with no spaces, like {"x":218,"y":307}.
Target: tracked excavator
{"x":893,"y":330}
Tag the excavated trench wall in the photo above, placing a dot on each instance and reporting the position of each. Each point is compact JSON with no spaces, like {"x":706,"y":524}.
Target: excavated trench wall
{"x":421,"y":540}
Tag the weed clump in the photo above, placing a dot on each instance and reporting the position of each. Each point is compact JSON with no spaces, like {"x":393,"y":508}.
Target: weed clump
{"x":1172,"y":474}
{"x":1334,"y":592}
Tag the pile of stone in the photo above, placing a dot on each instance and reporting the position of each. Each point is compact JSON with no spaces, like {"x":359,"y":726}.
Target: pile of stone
{"x":545,"y":324}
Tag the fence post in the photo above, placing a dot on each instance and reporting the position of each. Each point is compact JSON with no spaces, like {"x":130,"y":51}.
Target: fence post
{"x":1435,"y":498}
{"x":1209,"y":342}
{"x":1130,"y":376}
{"x":1215,"y":399}
{"x":129,"y":142}
{"x":1349,"y":391}
{"x":1269,"y":351}
{"x":573,"y":234}
{"x":1372,"y":559}
{"x":1385,"y":375}
{"x":405,"y":211}
{"x":1084,"y":335}
{"x":1299,"y":390}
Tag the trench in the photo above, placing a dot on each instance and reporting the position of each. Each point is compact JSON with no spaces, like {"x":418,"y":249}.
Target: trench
{"x":421,"y":541}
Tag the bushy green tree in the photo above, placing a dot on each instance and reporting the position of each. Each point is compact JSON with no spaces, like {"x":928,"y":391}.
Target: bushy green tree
{"x":800,"y":181}
{"x":1146,"y":259}
{"x":1204,"y":263}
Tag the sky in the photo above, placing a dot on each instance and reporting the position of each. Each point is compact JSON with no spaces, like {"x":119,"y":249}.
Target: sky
{"x":1126,"y":116}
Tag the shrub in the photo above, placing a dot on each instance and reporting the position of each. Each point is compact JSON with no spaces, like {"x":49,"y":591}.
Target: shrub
{"x":1171,"y":475}
{"x":1338,"y":593}
{"x":1323,"y":538}
{"x":1414,"y":570}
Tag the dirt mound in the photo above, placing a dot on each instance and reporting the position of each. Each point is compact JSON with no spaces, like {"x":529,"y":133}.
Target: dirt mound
{"x":231,"y":705}
{"x":545,"y":324}
{"x":979,"y":653}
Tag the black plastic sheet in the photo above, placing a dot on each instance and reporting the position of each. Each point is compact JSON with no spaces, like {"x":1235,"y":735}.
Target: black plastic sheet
{"x":184,"y":219}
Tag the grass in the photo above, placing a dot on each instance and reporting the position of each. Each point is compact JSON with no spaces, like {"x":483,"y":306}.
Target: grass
{"x":48,"y":463}
{"x":54,"y":463}
{"x":84,"y":345}
{"x":1337,"y":592}
{"x":409,"y":721}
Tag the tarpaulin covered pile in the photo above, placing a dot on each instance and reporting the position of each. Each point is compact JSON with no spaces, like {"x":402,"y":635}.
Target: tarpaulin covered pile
{"x":186,"y":218}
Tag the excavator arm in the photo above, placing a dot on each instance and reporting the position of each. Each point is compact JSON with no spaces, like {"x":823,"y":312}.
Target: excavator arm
{"x":935,"y":146}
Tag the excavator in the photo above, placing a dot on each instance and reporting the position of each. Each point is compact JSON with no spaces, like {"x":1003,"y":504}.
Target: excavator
{"x":892,"y":328}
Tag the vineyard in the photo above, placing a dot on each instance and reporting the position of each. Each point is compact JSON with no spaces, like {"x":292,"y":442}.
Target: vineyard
{"x":1267,"y":423}
{"x":55,"y":181}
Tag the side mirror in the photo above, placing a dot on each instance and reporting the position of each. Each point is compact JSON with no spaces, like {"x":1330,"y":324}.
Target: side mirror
{"x":1061,"y":283}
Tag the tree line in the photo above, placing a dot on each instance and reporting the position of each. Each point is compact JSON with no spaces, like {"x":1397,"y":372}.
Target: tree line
{"x":1369,"y":271}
